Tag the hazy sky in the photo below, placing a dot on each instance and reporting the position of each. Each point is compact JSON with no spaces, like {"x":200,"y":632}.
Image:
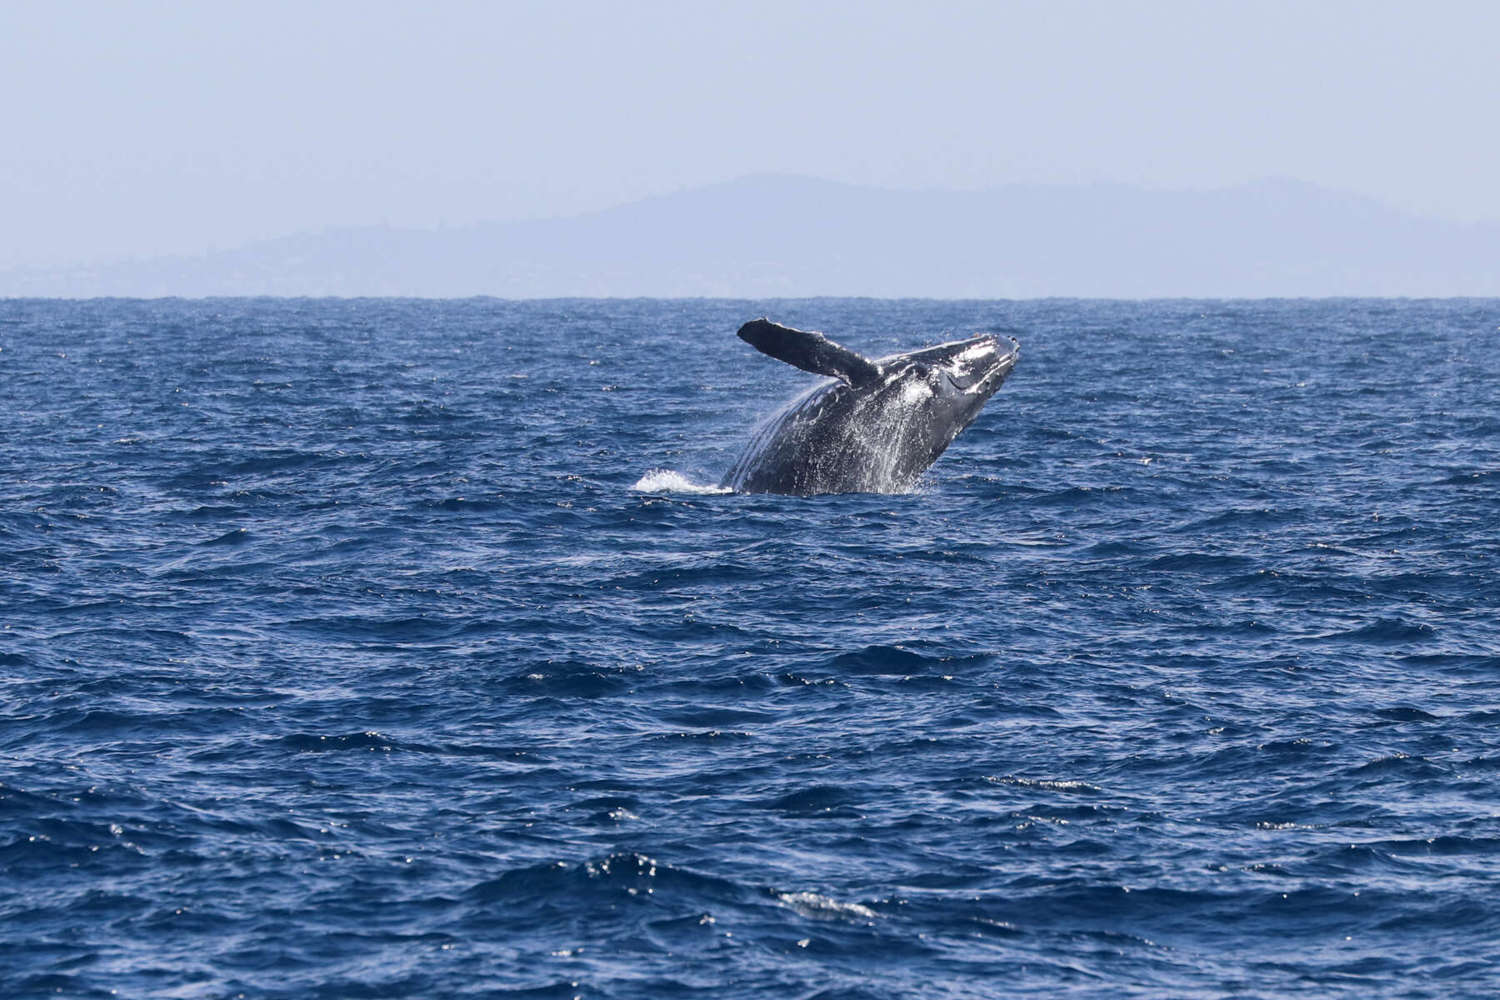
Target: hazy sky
{"x":142,"y":128}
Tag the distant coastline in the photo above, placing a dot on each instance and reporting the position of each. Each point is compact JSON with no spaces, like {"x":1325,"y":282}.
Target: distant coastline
{"x":776,"y":236}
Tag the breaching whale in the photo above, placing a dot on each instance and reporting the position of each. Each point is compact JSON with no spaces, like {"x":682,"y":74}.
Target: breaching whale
{"x":877,"y":425}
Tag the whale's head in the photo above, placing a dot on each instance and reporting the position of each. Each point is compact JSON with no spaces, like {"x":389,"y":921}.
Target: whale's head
{"x":938,"y":391}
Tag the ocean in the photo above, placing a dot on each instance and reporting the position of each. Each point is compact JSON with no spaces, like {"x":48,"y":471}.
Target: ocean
{"x":403,"y":648}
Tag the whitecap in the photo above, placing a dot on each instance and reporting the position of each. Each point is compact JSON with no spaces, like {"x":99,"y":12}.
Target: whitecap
{"x":812,"y":904}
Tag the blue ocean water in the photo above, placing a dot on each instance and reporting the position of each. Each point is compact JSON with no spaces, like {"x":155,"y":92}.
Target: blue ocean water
{"x":387,"y":649}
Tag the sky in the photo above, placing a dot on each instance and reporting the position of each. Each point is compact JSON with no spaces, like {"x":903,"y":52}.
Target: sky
{"x":140,"y":129}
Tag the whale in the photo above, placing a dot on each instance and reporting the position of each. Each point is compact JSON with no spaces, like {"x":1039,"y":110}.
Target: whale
{"x":870,"y":425}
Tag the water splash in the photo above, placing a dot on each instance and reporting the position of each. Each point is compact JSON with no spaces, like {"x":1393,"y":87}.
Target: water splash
{"x":667,"y":481}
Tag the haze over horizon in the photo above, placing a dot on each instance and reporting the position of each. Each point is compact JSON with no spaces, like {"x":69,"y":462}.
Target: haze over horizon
{"x":161,"y":129}
{"x":781,"y":236}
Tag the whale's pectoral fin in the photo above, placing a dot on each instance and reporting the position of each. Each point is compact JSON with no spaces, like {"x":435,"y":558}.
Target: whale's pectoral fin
{"x":809,"y":351}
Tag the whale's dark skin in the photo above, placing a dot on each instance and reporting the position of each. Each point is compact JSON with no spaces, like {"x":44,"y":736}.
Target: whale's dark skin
{"x":877,"y":425}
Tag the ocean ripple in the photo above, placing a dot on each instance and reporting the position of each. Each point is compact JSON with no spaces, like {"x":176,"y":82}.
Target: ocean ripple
{"x":400,"y":648}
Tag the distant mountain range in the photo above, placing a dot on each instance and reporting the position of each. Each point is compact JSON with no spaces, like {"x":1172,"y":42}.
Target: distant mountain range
{"x":778,"y":236}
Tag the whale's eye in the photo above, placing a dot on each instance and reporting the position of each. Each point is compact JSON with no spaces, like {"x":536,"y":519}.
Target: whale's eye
{"x":922,"y":372}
